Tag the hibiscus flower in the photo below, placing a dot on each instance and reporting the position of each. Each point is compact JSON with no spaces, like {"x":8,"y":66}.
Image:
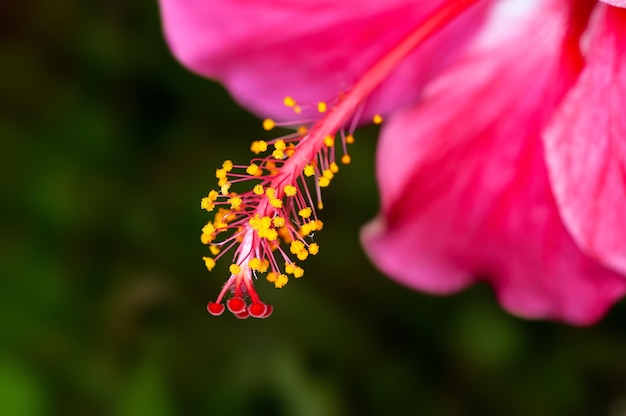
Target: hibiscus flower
{"x":502,"y":156}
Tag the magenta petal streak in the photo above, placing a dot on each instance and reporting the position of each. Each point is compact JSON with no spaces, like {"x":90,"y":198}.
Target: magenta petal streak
{"x":586,"y":147}
{"x":464,"y":186}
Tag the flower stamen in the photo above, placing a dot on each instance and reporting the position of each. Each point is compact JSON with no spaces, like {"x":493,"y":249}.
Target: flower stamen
{"x":274,"y":221}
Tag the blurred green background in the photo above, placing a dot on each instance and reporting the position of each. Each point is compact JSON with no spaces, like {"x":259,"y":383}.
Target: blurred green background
{"x":107,"y":147}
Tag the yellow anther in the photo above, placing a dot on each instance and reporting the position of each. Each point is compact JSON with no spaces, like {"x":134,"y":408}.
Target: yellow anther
{"x":209,"y":263}
{"x":253,"y":169}
{"x":208,"y":229}
{"x":297,"y":109}
{"x":255,"y":263}
{"x":306,"y":229}
{"x":289,"y":102}
{"x":206,"y":238}
{"x":234,"y":269}
{"x":305,"y":212}
{"x":235,"y":202}
{"x":350,"y":139}
{"x":346,"y":159}
{"x":320,"y":205}
{"x":264,"y":265}
{"x":220,"y":173}
{"x":377,"y":119}
{"x":318,"y":225}
{"x":309,"y":170}
{"x":281,"y":281}
{"x":227,"y":165}
{"x":309,"y":227}
{"x":280,"y":145}
{"x":278,"y":154}
{"x":270,"y":192}
{"x":290,"y":190}
{"x":302,"y":254}
{"x":276,"y":203}
{"x":225,"y":187}
{"x":292,"y":268}
{"x":321,"y":107}
{"x":258,"y":146}
{"x":278,"y":222}
{"x":271,"y":234}
{"x":224,"y":215}
{"x":314,"y":248}
{"x":334,"y":168}
{"x":298,"y":272}
{"x":265,"y":222}
{"x":271,"y":277}
{"x":254,"y":222}
{"x":328,"y":173}
{"x":268,"y":124}
{"x":296,"y":246}
{"x":258,"y":189}
{"x":302,"y":130}
{"x":220,"y":224}
{"x":207,"y":203}
{"x":215,"y":250}
{"x":329,"y":141}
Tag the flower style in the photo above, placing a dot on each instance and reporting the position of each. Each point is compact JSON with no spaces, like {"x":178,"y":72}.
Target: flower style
{"x":511,"y":166}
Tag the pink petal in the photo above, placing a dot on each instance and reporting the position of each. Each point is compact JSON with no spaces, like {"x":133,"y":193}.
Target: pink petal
{"x":465,"y":192}
{"x":311,"y":50}
{"x":586,"y":146}
{"x":618,"y":3}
